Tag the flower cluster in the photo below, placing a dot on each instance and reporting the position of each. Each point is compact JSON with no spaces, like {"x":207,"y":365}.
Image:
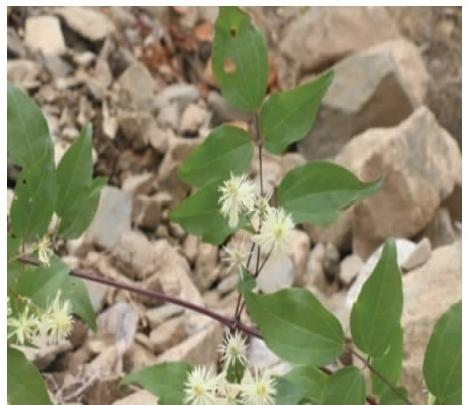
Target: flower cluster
{"x":204,"y":387}
{"x":271,"y":226}
{"x":54,"y":324}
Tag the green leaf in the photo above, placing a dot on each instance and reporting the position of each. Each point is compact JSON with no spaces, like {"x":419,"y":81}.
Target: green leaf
{"x":390,"y":397}
{"x":32,"y":207}
{"x":346,"y":386}
{"x":442,"y":359}
{"x":287,"y":116}
{"x":25,"y":384}
{"x":226,"y":150}
{"x":28,"y":134}
{"x":376,"y":313}
{"x":389,"y":363}
{"x":13,"y":243}
{"x":75,"y":290}
{"x":81,"y":211}
{"x":239,"y":59}
{"x":200,"y":215}
{"x":309,"y":380}
{"x":246,"y":281}
{"x":287,"y":393}
{"x":296,"y":326}
{"x":165,"y":380}
{"x":74,"y":172}
{"x":316,"y":192}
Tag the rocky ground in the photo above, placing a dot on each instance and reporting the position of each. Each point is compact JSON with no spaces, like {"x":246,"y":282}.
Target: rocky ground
{"x":142,"y":76}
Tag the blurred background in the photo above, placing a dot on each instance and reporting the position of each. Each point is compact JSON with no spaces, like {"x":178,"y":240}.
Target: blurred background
{"x":142,"y":76}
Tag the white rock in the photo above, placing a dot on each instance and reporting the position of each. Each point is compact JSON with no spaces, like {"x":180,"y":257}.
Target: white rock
{"x":180,"y":93}
{"x":193,"y":118}
{"x":112,"y":218}
{"x":168,"y":334}
{"x":138,"y":398}
{"x":87,"y":22}
{"x":169,"y":116}
{"x":277,"y":273}
{"x":23,"y":73}
{"x":259,"y":355}
{"x":350,"y":267}
{"x":158,"y":315}
{"x":137,"y":88}
{"x":44,"y":33}
{"x":419,"y":256}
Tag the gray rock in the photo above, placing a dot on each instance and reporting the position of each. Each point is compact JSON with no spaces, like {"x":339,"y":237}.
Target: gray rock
{"x":223,"y":110}
{"x":168,"y":334}
{"x":378,"y":87}
{"x":440,"y":231}
{"x":193,"y":118}
{"x":277,"y":273}
{"x":137,"y":87}
{"x":206,"y":269}
{"x":23,"y":73}
{"x":43,"y":33}
{"x":259,"y":355}
{"x":169,"y":116}
{"x":421,"y":165}
{"x":180,"y":93}
{"x":87,"y":22}
{"x":138,"y":398}
{"x":147,"y":211}
{"x":428,"y":292}
{"x":97,"y":293}
{"x":112,"y":218}
{"x":323,"y":35}
{"x":158,"y":315}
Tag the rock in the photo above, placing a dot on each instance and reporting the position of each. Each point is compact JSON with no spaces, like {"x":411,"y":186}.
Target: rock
{"x":421,"y":165}
{"x":112,"y":218}
{"x":193,"y":118}
{"x":350,"y":267}
{"x":133,"y":125}
{"x":87,"y":22}
{"x":45,"y":353}
{"x":43,"y":33}
{"x":206,"y":269}
{"x":147,"y":212}
{"x":158,"y":137}
{"x":190,"y":247}
{"x":138,"y":398}
{"x":391,"y":81}
{"x":198,"y":349}
{"x":136,"y":184}
{"x":331,"y":261}
{"x":168,"y":334}
{"x":15,"y":45}
{"x":228,"y":284}
{"x":137,"y":87}
{"x":259,"y":355}
{"x":136,"y":256}
{"x":404,"y":249}
{"x":158,"y":315}
{"x":315,"y":270}
{"x":440,"y":230}
{"x":277,"y":273}
{"x":23,"y":73}
{"x":169,"y":116}
{"x":223,"y":111}
{"x":428,"y":292}
{"x":419,"y":256}
{"x":97,"y":293}
{"x":138,"y":357}
{"x":299,"y":248}
{"x":324,"y":35}
{"x":119,"y":322}
{"x":179,"y":93}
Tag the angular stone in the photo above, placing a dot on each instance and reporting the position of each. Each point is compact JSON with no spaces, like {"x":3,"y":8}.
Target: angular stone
{"x":168,"y":334}
{"x":421,"y":165}
{"x":138,"y":398}
{"x":391,"y":81}
{"x":180,"y":93}
{"x":147,"y":211}
{"x":428,"y":292}
{"x":440,"y":230}
{"x":158,"y":315}
{"x":193,"y":118}
{"x":23,"y":73}
{"x":198,"y":349}
{"x":206,"y":269}
{"x":324,"y":35}
{"x":137,"y":88}
{"x":112,"y":218}
{"x":419,"y":256}
{"x":44,"y":33}
{"x":299,"y":248}
{"x":87,"y":22}
{"x":277,"y":273}
{"x":350,"y":267}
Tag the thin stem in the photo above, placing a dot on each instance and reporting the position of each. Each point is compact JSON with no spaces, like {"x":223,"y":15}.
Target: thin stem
{"x":384,"y":380}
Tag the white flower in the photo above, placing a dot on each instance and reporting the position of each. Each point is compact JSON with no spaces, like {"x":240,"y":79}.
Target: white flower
{"x":200,"y":387}
{"x":57,"y":320}
{"x":25,"y":327}
{"x":236,"y":257}
{"x":276,"y":230}
{"x":44,"y":251}
{"x":228,"y":392}
{"x":258,"y":389}
{"x":233,"y":349}
{"x":237,"y":196}
{"x":261,"y":205}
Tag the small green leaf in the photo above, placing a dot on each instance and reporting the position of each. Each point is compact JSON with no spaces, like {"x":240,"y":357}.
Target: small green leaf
{"x":376,"y":313}
{"x":13,"y":243}
{"x":165,"y":380}
{"x":75,"y":290}
{"x":81,"y":210}
{"x":226,"y":150}
{"x":318,"y":191}
{"x":200,"y":215}
{"x":287,"y":393}
{"x":32,"y":207}
{"x":389,"y":363}
{"x":74,"y":172}
{"x":296,"y":326}
{"x":442,"y":359}
{"x":246,"y":281}
{"x":309,"y":380}
{"x":239,"y":59}
{"x":25,"y":384}
{"x":235,"y":372}
{"x":28,"y":135}
{"x":346,"y":386}
{"x":287,"y":116}
{"x":390,"y":397}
